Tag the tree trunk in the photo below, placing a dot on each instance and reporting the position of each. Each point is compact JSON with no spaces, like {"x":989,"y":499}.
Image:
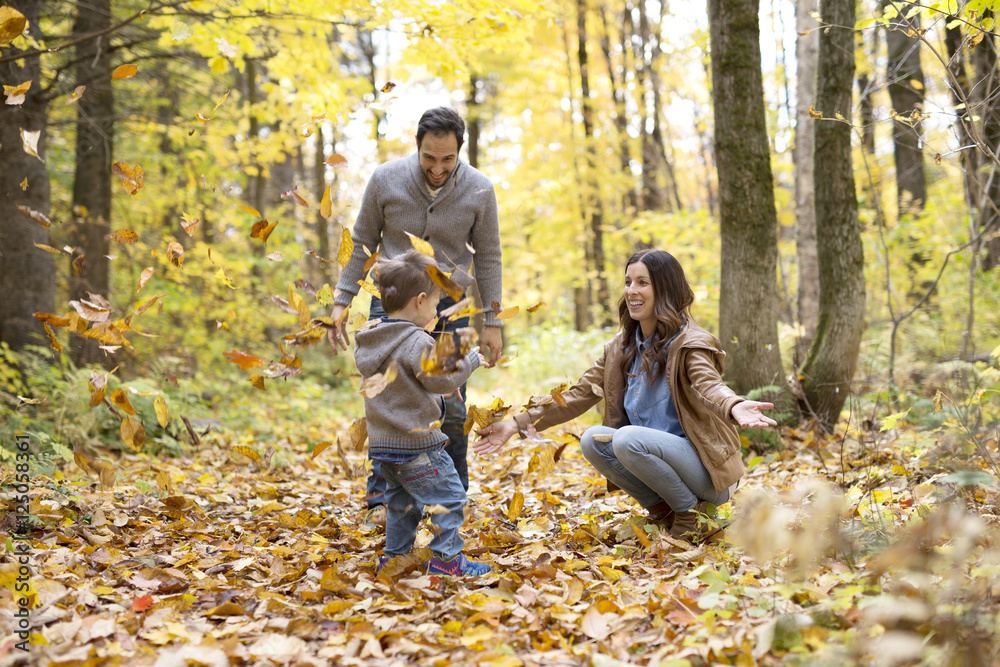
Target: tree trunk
{"x":906,"y":93}
{"x":89,"y":269}
{"x":830,"y":366}
{"x":988,"y":108}
{"x":631,"y":203}
{"x":748,"y":300}
{"x":582,"y":291}
{"x":595,"y":207}
{"x":655,"y":56}
{"x":653,"y":198}
{"x":319,"y":187}
{"x":472,"y":121}
{"x":27,"y":273}
{"x":806,"y":51}
{"x":961,"y":96}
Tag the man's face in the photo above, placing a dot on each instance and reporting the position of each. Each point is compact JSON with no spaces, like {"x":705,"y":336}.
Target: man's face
{"x":438,"y":157}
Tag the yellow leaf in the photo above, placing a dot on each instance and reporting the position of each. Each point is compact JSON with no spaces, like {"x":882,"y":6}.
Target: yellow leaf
{"x":15,"y":94}
{"x":536,"y":306}
{"x":24,"y":184}
{"x":326,"y":204}
{"x":257,"y":381}
{"x":144,"y":277}
{"x":53,"y":341}
{"x":131,"y":176}
{"x":175,"y":252}
{"x":221,"y":100}
{"x":891,"y":420}
{"x":337,"y":161}
{"x":40,"y":218}
{"x":346,"y":248}
{"x":250,"y":209}
{"x":813,"y":113}
{"x":516,"y":506}
{"x":133,"y":434}
{"x":359,"y":433}
{"x":12,"y":24}
{"x":124,"y":72}
{"x":508,"y":313}
{"x":162,"y":412}
{"x":374,"y":385}
{"x":119,"y":398}
{"x":370,"y":288}
{"x":124,"y":237}
{"x":247,"y":452}
{"x":421,"y":245}
{"x":190,"y":225}
{"x":77,"y":94}
{"x":320,"y":447}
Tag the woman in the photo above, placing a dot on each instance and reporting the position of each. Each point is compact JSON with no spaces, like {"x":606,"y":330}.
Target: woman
{"x":668,"y":437}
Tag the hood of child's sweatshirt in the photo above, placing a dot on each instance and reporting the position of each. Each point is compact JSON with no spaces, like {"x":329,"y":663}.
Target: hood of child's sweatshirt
{"x":376,"y":340}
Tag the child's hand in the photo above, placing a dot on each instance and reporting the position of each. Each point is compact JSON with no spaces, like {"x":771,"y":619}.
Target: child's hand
{"x":452,"y":393}
{"x":482,"y":359}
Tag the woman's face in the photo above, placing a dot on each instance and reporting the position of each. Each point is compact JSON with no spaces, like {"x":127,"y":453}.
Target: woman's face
{"x":639,"y":294}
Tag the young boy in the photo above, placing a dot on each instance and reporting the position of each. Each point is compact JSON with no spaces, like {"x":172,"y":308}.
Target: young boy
{"x":404,"y":418}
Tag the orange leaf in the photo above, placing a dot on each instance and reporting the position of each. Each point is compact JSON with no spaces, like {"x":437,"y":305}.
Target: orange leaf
{"x":508,"y":313}
{"x":124,"y":72}
{"x":142,"y":603}
{"x":53,"y":341}
{"x":189,"y":224}
{"x":336,"y":161}
{"x":175,"y":252}
{"x":320,"y":447}
{"x":536,"y":306}
{"x":326,"y":204}
{"x":124,"y":237}
{"x":243,"y":360}
{"x":262,"y":230}
{"x":443,"y":281}
{"x":294,"y":195}
{"x":133,"y":434}
{"x":119,"y":398}
{"x":54,"y":320}
{"x":144,"y":277}
{"x":131,"y":176}
{"x":370,"y":262}
{"x":257,"y":381}
{"x":12,"y":24}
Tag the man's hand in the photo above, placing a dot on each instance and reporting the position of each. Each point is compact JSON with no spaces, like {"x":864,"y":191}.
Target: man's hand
{"x":495,"y":436}
{"x":492,"y":339}
{"x":338,"y":334}
{"x":748,"y":414}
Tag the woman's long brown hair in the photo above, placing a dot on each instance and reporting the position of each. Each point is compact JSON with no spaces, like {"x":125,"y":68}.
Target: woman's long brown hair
{"x":672,"y":297}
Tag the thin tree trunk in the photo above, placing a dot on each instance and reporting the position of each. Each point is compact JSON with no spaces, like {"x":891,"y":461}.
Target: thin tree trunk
{"x":27,"y":273}
{"x":595,"y":205}
{"x":319,"y":187}
{"x":830,"y":365}
{"x":472,"y":120}
{"x":748,"y":301}
{"x":906,"y":93}
{"x":988,"y":108}
{"x":653,"y":198}
{"x":92,"y":177}
{"x":621,"y":120}
{"x":655,"y":58}
{"x":367,"y":45}
{"x":806,"y":51}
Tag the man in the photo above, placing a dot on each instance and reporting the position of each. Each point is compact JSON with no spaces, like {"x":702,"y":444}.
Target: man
{"x":434,"y":196}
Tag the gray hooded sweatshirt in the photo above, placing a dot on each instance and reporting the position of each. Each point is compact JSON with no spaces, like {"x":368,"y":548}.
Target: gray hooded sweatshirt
{"x":401,"y":418}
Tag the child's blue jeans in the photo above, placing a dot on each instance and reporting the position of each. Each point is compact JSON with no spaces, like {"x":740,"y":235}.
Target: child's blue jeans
{"x":429,"y":479}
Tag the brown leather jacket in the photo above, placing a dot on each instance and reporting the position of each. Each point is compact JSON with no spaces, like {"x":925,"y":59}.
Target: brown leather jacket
{"x":694,"y":375}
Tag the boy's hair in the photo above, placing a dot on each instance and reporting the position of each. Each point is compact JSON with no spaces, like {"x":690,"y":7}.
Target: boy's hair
{"x":403,"y":278}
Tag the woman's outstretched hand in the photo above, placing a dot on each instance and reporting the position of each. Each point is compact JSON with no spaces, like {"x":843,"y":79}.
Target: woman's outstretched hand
{"x":494,"y":436}
{"x":748,"y":414}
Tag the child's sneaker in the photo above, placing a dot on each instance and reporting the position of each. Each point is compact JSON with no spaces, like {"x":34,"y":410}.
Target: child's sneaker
{"x":382,"y":560}
{"x":457,"y":567}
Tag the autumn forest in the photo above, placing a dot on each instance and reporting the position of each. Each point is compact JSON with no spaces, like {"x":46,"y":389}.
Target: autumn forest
{"x":184,"y":463}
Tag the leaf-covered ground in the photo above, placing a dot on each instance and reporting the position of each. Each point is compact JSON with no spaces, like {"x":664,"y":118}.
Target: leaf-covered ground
{"x":229,"y":562}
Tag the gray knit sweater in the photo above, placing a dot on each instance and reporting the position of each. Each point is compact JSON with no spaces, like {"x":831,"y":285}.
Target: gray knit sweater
{"x":399,"y":416}
{"x":396,"y":201}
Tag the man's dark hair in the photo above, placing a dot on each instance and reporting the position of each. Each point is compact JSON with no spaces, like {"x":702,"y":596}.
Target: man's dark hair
{"x":439,"y":121}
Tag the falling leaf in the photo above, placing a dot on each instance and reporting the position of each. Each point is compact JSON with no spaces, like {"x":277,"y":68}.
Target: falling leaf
{"x":382,"y":105}
{"x":257,"y":381}
{"x":359,"y":433}
{"x":346,"y":248}
{"x":322,"y":259}
{"x":227,"y":49}
{"x":370,"y":262}
{"x":248,"y":452}
{"x":243,"y":360}
{"x":24,"y":184}
{"x":442,"y":280}
{"x":120,"y":399}
{"x":12,"y":24}
{"x":374,"y":385}
{"x":320,"y":447}
{"x":124,"y":237}
{"x":175,"y":253}
{"x":54,"y":320}
{"x":124,"y":72}
{"x":325,"y":204}
{"x":890,"y":421}
{"x":77,"y":94}
{"x":202,"y":119}
{"x":275,"y":256}
{"x":294,"y":195}
{"x":388,"y":87}
{"x":15,"y":94}
{"x":813,"y":113}
{"x":336,"y":161}
{"x":189,"y":224}
{"x":133,"y":434}
{"x":370,"y":288}
{"x":516,"y":506}
{"x":29,"y":141}
{"x":144,"y":277}
{"x":250,"y":209}
{"x":508,"y":313}
{"x":162,"y":412}
{"x":131,"y":176}
{"x":221,"y":100}
{"x":536,"y":306}
{"x":421,"y":245}
{"x":262,"y":230}
{"x":224,"y":279}
{"x":38,"y":217}
{"x":53,"y":341}
{"x":91,"y":311}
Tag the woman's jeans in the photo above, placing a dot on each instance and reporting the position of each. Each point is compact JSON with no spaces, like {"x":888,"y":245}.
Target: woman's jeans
{"x":429,"y":479}
{"x":453,"y":424}
{"x":651,"y":466}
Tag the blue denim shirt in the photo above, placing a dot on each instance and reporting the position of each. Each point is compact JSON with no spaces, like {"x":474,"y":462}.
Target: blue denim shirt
{"x":650,"y":406}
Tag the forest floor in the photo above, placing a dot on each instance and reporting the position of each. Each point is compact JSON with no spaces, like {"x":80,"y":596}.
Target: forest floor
{"x":878,"y":554}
